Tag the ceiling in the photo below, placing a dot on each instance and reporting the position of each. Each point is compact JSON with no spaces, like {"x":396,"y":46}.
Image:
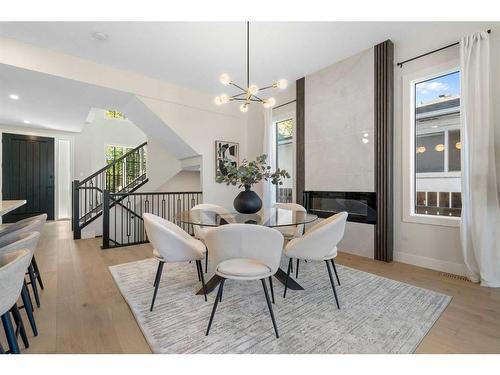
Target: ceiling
{"x":51,"y":102}
{"x":194,"y":54}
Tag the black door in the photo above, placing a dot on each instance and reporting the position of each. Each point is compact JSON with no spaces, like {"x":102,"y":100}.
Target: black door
{"x":28,"y":173}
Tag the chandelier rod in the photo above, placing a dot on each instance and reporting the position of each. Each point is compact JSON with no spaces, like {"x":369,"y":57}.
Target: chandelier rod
{"x":248,"y":54}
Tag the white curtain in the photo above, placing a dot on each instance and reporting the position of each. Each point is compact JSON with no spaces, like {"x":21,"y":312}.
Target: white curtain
{"x":480,"y":225}
{"x":268,"y":189}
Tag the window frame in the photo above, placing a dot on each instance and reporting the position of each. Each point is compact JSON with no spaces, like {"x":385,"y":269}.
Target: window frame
{"x":408,"y":145}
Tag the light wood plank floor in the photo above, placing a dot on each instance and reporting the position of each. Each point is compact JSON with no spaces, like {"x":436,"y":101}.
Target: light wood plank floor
{"x":83,"y":312}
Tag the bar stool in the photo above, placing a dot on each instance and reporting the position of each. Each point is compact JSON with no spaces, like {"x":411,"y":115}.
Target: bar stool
{"x":12,"y":268}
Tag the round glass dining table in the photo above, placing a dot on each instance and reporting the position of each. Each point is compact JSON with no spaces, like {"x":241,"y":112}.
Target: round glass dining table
{"x":270,"y":217}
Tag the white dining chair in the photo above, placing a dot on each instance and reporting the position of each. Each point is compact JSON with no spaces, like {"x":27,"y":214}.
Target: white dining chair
{"x":12,"y":268}
{"x":33,"y":271}
{"x":171,"y":244}
{"x":319,"y":243}
{"x":18,"y":241}
{"x":245,"y":252}
{"x":201,"y":231}
{"x":293,"y":231}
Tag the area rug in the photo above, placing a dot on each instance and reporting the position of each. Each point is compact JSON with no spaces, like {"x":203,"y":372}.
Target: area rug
{"x":377,"y":315}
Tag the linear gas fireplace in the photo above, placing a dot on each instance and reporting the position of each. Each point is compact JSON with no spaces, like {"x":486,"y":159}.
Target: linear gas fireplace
{"x":361,"y":206}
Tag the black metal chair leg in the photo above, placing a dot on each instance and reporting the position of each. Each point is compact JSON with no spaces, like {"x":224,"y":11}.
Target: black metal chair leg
{"x":271,"y":286}
{"x":157,"y":272}
{"x":270,"y":307}
{"x":219,"y":296}
{"x":287,"y":277}
{"x":18,"y":320}
{"x":28,"y":309}
{"x":157,"y":284}
{"x":297,"y":269}
{"x":206,"y":261}
{"x":37,"y":273}
{"x":200,"y":270}
{"x":29,"y":296}
{"x":221,"y":291}
{"x":335,"y":270}
{"x":10,"y":334}
{"x":331,"y":282}
{"x":31,"y":273}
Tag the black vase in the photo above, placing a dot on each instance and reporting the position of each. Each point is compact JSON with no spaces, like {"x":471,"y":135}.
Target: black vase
{"x":247,"y":201}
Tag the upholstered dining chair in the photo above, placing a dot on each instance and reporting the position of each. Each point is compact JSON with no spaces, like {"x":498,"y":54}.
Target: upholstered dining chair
{"x":33,"y":271}
{"x":291,"y":232}
{"x":319,"y":243}
{"x":171,"y":244}
{"x":244,"y":252}
{"x":12,"y":268}
{"x":200,"y":231}
{"x":18,"y":241}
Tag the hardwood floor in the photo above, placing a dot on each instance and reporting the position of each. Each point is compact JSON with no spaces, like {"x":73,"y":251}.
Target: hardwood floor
{"x":83,"y":312}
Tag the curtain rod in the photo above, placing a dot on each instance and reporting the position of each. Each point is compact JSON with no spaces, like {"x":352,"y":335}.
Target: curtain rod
{"x":400,"y":64}
{"x":284,"y":104}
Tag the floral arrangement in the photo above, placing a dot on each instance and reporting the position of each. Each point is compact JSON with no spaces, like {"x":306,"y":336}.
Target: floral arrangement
{"x":250,"y":173}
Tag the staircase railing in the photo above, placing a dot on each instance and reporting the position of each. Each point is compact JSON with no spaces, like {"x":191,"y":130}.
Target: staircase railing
{"x":123,"y":224}
{"x":126,"y":174}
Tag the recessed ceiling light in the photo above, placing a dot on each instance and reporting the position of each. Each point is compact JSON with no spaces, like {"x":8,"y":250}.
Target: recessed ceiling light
{"x":27,"y":121}
{"x":434,"y":126}
{"x":14,"y":96}
{"x":365,"y":140}
{"x":100,"y":36}
{"x":365,"y":135}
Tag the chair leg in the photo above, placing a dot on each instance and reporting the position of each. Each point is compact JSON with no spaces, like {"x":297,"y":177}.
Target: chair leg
{"x":10,"y":334}
{"x":335,"y":270}
{"x":219,"y":296}
{"x":271,"y":285}
{"x":221,"y":291}
{"x":18,"y":320}
{"x":200,"y":272}
{"x":157,"y":273}
{"x":37,"y":273}
{"x":331,"y":282}
{"x":297,"y":269}
{"x":29,"y":296}
{"x":287,"y":276}
{"x":157,"y":284}
{"x":28,"y":309}
{"x":270,"y":307}
{"x":206,"y":261}
{"x":31,"y":273}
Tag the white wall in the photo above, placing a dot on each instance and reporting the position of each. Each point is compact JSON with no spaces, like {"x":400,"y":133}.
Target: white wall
{"x":183,"y":181}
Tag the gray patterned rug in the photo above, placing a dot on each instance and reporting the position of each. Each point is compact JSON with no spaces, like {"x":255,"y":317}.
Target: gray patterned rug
{"x":377,"y":315}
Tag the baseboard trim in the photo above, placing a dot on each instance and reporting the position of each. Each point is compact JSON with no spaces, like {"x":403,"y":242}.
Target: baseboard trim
{"x":431,"y":263}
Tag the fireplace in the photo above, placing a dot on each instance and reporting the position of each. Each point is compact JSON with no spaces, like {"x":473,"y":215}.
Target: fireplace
{"x":361,"y":206}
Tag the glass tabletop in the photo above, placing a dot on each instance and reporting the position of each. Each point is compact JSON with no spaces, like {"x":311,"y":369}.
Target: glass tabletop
{"x":270,"y":217}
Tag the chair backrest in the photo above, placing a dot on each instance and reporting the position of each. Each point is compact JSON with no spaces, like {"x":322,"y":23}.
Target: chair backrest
{"x":173,"y":243}
{"x":201,"y":231}
{"x":245,"y":241}
{"x":25,"y":225}
{"x":13,"y":266}
{"x":15,"y":241}
{"x":320,"y":240}
{"x":293,"y":231}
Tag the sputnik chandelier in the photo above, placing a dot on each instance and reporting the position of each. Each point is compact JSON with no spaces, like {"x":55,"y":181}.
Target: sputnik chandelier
{"x":249,"y":94}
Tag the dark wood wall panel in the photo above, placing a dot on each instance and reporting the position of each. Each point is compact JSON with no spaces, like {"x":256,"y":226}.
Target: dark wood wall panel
{"x":384,"y":123}
{"x":300,"y":134}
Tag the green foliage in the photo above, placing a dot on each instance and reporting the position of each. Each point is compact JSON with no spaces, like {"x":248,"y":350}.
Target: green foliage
{"x":250,"y":173}
{"x":285,"y":129}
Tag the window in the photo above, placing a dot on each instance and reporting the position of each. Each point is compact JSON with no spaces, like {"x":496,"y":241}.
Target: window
{"x":437,"y":181}
{"x":284,"y":158}
{"x":115,"y":115}
{"x":125,"y":173}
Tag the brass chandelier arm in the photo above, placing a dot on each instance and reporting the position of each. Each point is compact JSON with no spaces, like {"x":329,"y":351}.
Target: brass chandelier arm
{"x":235,"y":85}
